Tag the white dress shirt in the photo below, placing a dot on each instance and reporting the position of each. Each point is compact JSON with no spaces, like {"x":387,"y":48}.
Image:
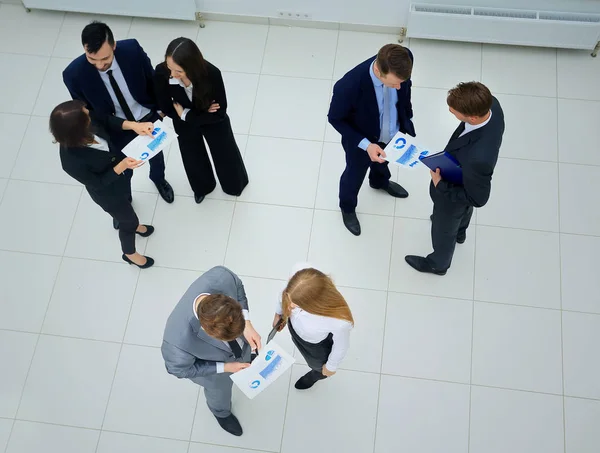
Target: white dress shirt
{"x":100,"y":144}
{"x":246,"y":313}
{"x":138,"y":110}
{"x":472,"y":127}
{"x":189,"y":91}
{"x":315,"y":328}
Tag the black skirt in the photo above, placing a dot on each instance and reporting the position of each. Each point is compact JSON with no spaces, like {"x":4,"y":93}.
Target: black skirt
{"x":315,"y":354}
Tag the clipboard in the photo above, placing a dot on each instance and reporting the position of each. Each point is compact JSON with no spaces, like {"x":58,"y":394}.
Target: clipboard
{"x":274,"y":330}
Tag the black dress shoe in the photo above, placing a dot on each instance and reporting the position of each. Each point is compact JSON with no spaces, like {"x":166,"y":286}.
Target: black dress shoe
{"x":351,"y":222}
{"x":231,"y":425}
{"x":115,"y":224}
{"x":308,"y":380}
{"x":394,"y":189}
{"x":166,"y":191}
{"x":149,"y":231}
{"x":422,"y":265}
{"x":149,"y":262}
{"x":199,"y":198}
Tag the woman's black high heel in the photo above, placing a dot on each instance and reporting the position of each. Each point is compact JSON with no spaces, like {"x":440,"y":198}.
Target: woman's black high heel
{"x":149,"y":262}
{"x":149,"y":231}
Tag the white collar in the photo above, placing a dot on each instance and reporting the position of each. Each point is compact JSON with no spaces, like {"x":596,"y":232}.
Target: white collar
{"x":114,"y":65}
{"x":194,"y":304}
{"x":174,"y":81}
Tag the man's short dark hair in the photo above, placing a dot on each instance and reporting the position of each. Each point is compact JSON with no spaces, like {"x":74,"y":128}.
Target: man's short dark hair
{"x":70,"y":125}
{"x":95,"y":34}
{"x":221,"y":317}
{"x":395,"y":59}
{"x":470,"y":99}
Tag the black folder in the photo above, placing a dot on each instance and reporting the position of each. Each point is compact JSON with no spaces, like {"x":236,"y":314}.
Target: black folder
{"x":274,"y":330}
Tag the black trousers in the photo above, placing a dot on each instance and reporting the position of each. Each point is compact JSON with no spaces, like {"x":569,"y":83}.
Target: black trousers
{"x":119,"y":207}
{"x":449,"y":220}
{"x":225,"y":153}
{"x":157,"y":163}
{"x":315,"y":354}
{"x":357,"y":164}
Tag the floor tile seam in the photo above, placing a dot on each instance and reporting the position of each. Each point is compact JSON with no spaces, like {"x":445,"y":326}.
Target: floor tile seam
{"x":560,"y":279}
{"x":121,"y":346}
{"x":392,"y":291}
{"x":478,"y":224}
{"x":16,"y":159}
{"x":557,"y":161}
{"x":157,"y":346}
{"x":39,"y":336}
{"x":236,"y":199}
{"x":473,"y":310}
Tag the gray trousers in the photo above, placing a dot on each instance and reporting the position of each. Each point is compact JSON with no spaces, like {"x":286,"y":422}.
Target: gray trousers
{"x":218,"y":388}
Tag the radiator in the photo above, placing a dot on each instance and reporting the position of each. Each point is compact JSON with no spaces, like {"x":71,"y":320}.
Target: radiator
{"x":504,"y":26}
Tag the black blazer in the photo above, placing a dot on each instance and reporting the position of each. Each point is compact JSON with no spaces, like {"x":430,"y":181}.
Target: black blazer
{"x":94,"y":169}
{"x":84,"y":82}
{"x":354,"y":113}
{"x":167,"y":93}
{"x":477,"y":153}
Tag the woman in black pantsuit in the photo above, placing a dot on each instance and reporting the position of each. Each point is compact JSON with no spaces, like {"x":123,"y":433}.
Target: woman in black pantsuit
{"x":87,"y":155}
{"x":190,"y":90}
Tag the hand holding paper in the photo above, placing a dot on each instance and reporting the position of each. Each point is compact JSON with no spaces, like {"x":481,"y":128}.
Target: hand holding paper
{"x":142,"y":128}
{"x":376,"y":153}
{"x":145,"y":147}
{"x":404,"y":151}
{"x":270,"y":364}
{"x":252,"y":336}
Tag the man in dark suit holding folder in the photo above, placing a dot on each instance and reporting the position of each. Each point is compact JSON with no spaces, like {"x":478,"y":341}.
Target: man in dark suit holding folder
{"x":475,"y":144}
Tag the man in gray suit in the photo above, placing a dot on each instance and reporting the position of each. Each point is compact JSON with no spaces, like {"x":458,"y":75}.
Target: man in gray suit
{"x":209,"y":336}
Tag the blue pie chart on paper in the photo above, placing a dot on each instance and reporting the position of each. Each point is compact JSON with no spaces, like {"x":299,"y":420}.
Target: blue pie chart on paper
{"x":399,"y":143}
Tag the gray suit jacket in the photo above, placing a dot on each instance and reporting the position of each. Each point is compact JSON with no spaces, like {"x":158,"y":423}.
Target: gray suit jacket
{"x":189,"y":352}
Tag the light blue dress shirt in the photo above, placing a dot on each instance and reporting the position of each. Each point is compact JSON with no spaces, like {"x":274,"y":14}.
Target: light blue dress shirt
{"x":379,"y":87}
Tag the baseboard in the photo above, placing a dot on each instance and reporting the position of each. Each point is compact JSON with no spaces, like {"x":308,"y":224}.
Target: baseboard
{"x":264,"y":20}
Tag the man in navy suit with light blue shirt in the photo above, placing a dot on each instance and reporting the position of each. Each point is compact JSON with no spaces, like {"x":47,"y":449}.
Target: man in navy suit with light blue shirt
{"x":115,"y":81}
{"x":370,"y":104}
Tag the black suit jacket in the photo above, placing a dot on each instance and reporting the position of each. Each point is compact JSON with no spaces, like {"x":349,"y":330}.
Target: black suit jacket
{"x":167,"y":93}
{"x":94,"y":169}
{"x":84,"y":83}
{"x":477,"y":153}
{"x":354,"y":112}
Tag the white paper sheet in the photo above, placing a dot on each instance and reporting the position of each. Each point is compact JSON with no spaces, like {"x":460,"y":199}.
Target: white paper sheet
{"x":271,"y":363}
{"x":402,"y":150}
{"x":145,"y":147}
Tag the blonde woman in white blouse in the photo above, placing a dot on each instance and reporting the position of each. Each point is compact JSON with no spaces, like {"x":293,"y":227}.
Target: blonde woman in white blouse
{"x":319,"y":322}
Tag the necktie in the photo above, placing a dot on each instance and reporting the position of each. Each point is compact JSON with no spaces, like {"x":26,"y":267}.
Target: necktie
{"x":119,"y":94}
{"x":459,"y":130}
{"x":235,"y":348}
{"x":384,"y":137}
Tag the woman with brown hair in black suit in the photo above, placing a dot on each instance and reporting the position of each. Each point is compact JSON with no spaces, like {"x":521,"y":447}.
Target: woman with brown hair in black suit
{"x":190,"y":90}
{"x":88,"y":156}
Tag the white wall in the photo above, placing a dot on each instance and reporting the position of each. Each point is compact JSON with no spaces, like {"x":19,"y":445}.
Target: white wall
{"x":375,"y":12}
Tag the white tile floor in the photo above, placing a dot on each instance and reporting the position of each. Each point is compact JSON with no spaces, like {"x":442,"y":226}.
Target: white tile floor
{"x":501,"y":355}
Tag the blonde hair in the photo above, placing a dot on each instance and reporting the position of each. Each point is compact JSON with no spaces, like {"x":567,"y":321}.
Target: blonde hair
{"x":314,"y":292}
